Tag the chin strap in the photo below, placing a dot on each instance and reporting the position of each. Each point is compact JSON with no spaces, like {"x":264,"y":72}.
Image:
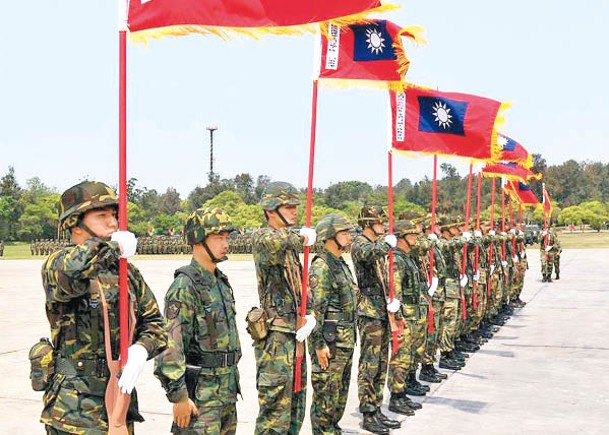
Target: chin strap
{"x":211,"y":255}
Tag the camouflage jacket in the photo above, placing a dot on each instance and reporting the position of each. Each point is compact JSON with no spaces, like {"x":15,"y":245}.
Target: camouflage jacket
{"x":279,"y":274}
{"x":334,"y":295}
{"x":452,"y":251}
{"x":370,"y":269}
{"x":410,"y":283}
{"x":439,"y":265}
{"x":187,"y":305}
{"x":77,"y":332}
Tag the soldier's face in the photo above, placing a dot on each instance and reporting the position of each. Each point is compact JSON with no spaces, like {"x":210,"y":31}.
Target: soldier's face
{"x":344,"y":238}
{"x":218,"y":244}
{"x":378,"y":229}
{"x":289,"y":213}
{"x":101,"y":221}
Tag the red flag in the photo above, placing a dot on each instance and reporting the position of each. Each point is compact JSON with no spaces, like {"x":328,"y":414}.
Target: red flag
{"x":521,"y":193}
{"x":372,"y":52}
{"x":512,"y":151}
{"x":448,"y":123}
{"x":510,"y":171}
{"x":215,"y":16}
{"x":547,"y":203}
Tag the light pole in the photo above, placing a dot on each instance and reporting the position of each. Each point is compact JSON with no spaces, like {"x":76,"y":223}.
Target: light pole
{"x":211,"y":129}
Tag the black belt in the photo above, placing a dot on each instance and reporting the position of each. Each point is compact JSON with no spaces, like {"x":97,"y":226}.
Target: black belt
{"x":340,"y":317}
{"x":371,"y":291}
{"x":213,"y":360}
{"x":85,"y":367}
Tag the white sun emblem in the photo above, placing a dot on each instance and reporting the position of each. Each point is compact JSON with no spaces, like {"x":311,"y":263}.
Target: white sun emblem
{"x":442,"y":114}
{"x":375,"y":41}
{"x":502,"y":141}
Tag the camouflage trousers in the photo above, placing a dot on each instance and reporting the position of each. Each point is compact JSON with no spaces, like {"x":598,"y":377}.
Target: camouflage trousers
{"x":494,"y":300}
{"x":433,"y":338}
{"x":479,"y":308}
{"x":281,"y":410}
{"x":372,"y":369}
{"x":52,"y":431}
{"x":215,"y":420}
{"x":548,"y":261}
{"x":401,"y":362}
{"x":450,"y":319}
{"x":557,"y":264}
{"x":330,"y":391}
{"x":419,"y":335}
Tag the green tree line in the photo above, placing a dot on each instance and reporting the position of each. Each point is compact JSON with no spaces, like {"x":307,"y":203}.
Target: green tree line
{"x":579,"y":190}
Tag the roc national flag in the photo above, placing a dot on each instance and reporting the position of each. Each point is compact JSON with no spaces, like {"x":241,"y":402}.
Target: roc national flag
{"x":521,"y":193}
{"x":445,"y":123}
{"x":368,"y":54}
{"x":547,"y":203}
{"x":509,"y":171}
{"x":512,"y":151}
{"x":253,"y":17}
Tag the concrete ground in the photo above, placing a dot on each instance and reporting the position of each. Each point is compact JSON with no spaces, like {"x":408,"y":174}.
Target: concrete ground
{"x":544,"y":372}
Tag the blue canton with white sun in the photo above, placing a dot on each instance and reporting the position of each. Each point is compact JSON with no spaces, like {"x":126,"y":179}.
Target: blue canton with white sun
{"x":372,"y":42}
{"x":441,"y":115}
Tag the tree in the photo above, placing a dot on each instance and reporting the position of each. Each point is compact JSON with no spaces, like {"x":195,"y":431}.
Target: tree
{"x":244,"y":184}
{"x":169,"y":202}
{"x":10,"y":193}
{"x":338,"y":194}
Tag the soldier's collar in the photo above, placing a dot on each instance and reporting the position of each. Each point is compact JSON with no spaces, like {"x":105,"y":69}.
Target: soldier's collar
{"x":208,"y":277}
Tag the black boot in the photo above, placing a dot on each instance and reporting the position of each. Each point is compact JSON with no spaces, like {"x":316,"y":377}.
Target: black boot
{"x":557,"y":275}
{"x":413,"y":387}
{"x":386,"y":421}
{"x":416,"y":382}
{"x":427,"y":374}
{"x":411,"y":403}
{"x":545,"y":278}
{"x":398,"y":405}
{"x":441,"y":376}
{"x":372,"y":424}
{"x":549,"y":278}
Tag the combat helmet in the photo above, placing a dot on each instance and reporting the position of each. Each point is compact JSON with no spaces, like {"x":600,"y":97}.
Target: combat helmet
{"x":205,"y":221}
{"x":370,"y":215}
{"x":279,"y":193}
{"x":85,"y":196}
{"x":403,"y":227}
{"x":330,"y":225}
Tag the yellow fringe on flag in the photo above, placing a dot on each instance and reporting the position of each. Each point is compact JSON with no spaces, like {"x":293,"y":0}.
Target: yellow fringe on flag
{"x":397,"y":86}
{"x":499,"y":123}
{"x":226,"y":33}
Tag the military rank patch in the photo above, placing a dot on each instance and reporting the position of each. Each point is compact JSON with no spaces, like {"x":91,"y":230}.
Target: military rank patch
{"x":312,"y":281}
{"x":173,"y":309}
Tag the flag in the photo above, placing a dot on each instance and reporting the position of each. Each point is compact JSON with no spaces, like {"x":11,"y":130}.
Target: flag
{"x":446,"y":123}
{"x":252,"y":17}
{"x":521,"y":193}
{"x":372,"y":52}
{"x":510,"y":171}
{"x":512,"y":151}
{"x":547,"y":203}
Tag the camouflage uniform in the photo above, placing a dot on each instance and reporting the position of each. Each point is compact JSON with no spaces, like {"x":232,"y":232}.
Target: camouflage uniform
{"x":74,"y":399}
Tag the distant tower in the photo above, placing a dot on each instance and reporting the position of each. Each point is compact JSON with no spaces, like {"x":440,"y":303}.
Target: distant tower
{"x":211,"y":129}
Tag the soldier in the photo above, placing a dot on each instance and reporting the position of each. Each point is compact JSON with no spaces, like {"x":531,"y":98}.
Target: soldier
{"x":557,"y":251}
{"x":334,"y":294}
{"x":276,"y":255}
{"x":1,"y":248}
{"x":368,"y":252}
{"x":199,"y":368}
{"x":75,"y":280}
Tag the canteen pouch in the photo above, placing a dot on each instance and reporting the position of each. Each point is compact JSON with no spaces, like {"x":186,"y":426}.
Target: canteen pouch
{"x":256,"y":323}
{"x":191,"y":378}
{"x":42,"y":364}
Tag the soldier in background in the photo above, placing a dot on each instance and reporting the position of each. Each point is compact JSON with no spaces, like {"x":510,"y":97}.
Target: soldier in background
{"x":276,"y":251}
{"x":199,"y":368}
{"x":75,"y":279}
{"x":368,"y":253}
{"x":547,"y":252}
{"x":1,"y":248}
{"x":331,"y":344}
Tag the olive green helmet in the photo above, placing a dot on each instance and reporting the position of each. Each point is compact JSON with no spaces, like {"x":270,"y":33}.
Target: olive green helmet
{"x":279,"y":193}
{"x":331,"y":224}
{"x":369,"y":215}
{"x":78,"y":199}
{"x":204,"y":221}
{"x":403,"y":227}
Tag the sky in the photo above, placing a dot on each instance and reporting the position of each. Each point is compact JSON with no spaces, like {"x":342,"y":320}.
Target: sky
{"x":59,"y":94}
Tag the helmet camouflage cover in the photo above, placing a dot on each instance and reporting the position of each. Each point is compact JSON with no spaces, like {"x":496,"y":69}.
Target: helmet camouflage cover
{"x":331,"y":224}
{"x":205,"y":221}
{"x":403,"y":227}
{"x":371,"y":215}
{"x":279,"y":193}
{"x":78,"y":199}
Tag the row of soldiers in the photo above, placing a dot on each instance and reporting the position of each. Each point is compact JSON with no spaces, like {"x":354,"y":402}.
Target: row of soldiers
{"x":47,"y":246}
{"x":1,"y":248}
{"x":452,"y":289}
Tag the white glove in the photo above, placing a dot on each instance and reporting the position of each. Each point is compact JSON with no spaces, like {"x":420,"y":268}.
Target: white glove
{"x":491,"y":232}
{"x":549,"y":248}
{"x":504,"y":263}
{"x":433,"y":287}
{"x":394,"y":305}
{"x":127,"y":242}
{"x":433,"y":237}
{"x":492,"y":268}
{"x":513,"y":230}
{"x":503,"y":233}
{"x":136,"y":360}
{"x":544,"y":233}
{"x":477,"y":233}
{"x":463,"y":280}
{"x":306,"y":329}
{"x":391,"y":240}
{"x":310,"y":235}
{"x":466,"y":236}
{"x":523,"y":255}
{"x":477,"y":276}
{"x":520,"y":233}
{"x":515,"y":258}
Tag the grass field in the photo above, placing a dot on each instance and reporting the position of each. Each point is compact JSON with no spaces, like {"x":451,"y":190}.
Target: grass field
{"x":575,"y":240}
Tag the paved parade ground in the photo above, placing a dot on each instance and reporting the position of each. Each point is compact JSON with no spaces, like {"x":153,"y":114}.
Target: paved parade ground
{"x":545,"y":371}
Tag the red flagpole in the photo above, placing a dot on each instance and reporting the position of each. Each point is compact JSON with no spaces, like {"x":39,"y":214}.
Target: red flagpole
{"x":307,"y":249}
{"x":395,"y":334}
{"x":464,"y":259}
{"x":477,"y":249}
{"x":492,"y":246}
{"x":503,"y":250}
{"x":122,"y":195}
